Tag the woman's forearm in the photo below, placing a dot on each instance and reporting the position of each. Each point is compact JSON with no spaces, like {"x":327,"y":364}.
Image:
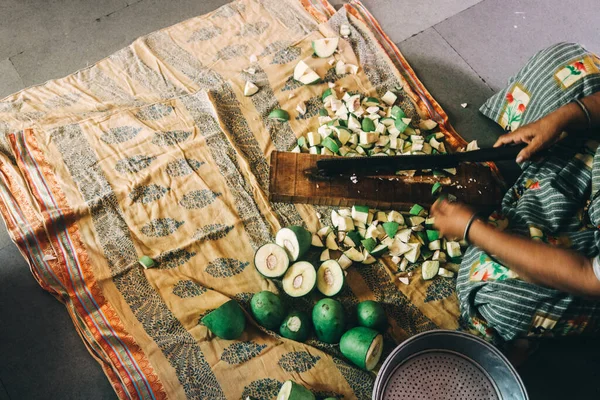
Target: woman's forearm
{"x":592,"y":103}
{"x":538,"y":262}
{"x":571,"y":117}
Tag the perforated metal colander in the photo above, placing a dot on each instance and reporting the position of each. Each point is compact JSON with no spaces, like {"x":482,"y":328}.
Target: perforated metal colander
{"x":447,"y":365}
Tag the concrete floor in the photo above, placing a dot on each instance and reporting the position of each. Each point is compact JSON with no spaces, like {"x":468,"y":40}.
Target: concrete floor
{"x":463,"y":50}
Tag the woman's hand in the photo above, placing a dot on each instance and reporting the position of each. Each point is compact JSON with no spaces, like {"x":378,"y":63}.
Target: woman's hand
{"x":539,"y":135}
{"x":451,"y":218}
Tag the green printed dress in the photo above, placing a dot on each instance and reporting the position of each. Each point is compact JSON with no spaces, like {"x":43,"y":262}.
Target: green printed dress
{"x":555,"y":200}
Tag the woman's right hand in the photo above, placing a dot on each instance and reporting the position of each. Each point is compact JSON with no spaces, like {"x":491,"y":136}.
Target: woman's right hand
{"x":538,"y":135}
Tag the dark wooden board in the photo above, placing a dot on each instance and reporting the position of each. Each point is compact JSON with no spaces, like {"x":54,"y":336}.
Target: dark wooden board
{"x":291,"y":181}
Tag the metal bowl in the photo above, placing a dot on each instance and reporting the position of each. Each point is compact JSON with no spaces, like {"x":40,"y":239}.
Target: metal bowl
{"x":447,"y":365}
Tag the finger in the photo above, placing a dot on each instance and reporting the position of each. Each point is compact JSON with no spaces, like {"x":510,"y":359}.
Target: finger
{"x":434,"y":209}
{"x":439,"y":206}
{"x":525,"y":154}
{"x":513,"y":137}
{"x":436,"y":225}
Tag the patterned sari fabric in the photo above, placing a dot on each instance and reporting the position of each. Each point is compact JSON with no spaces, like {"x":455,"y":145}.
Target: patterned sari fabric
{"x":155,"y":151}
{"x":555,"y":200}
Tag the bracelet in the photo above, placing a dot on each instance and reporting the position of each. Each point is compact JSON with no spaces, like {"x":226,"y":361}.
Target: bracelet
{"x":471,"y":220}
{"x":585,"y":111}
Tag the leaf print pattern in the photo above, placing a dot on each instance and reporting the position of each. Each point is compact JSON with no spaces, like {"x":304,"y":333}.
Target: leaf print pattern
{"x":321,"y":395}
{"x":244,"y":299}
{"x":275,"y":46}
{"x":331,"y":349}
{"x":241,"y":352}
{"x":231,"y":51}
{"x":154,"y":112}
{"x":198,"y":198}
{"x":147,"y":193}
{"x":313,"y":105}
{"x":133,"y":164}
{"x":360,"y":381}
{"x":183,"y":167}
{"x":298,"y":361}
{"x":170,"y":138}
{"x":161,"y":227}
{"x":262,"y":389}
{"x":187,"y":289}
{"x":225,"y":267}
{"x":286,"y":55}
{"x":204,"y":314}
{"x":253,"y":29}
{"x":120,"y":134}
{"x":63,"y":101}
{"x":291,"y":84}
{"x":439,"y":289}
{"x":212,"y":232}
{"x":331,"y":76}
{"x":203,"y":34}
{"x":174,"y":258}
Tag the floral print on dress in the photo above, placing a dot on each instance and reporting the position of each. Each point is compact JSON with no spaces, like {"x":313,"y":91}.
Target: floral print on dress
{"x":573,"y":326}
{"x":481,"y":328}
{"x":498,"y":220}
{"x":529,"y":184}
{"x":542,"y":325}
{"x":517,"y":100}
{"x":487,"y":269}
{"x":559,"y":241}
{"x":569,"y":74}
{"x":588,"y":153}
{"x":539,"y":235}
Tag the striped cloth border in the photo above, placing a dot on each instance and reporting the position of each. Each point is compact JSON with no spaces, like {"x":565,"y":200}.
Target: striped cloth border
{"x":69,"y":277}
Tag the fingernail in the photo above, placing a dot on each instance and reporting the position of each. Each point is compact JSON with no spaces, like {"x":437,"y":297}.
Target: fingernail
{"x":520,"y":159}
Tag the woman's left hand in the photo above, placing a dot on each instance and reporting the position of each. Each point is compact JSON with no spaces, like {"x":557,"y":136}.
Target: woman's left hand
{"x":451,"y":218}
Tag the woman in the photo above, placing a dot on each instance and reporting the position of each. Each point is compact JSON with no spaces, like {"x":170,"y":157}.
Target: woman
{"x":533,"y":268}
